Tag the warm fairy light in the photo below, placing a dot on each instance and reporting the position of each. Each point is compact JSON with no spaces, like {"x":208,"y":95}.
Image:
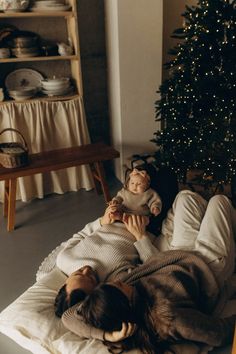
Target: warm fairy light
{"x":199,"y":119}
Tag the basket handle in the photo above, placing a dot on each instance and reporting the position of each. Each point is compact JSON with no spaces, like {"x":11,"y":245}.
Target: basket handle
{"x":16,"y":131}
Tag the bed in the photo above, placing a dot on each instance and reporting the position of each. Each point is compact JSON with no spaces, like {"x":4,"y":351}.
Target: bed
{"x":30,"y":320}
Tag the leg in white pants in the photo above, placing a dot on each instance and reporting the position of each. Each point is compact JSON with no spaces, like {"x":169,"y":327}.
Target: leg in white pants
{"x":182,"y":224}
{"x":215,"y":240}
{"x":194,"y":225}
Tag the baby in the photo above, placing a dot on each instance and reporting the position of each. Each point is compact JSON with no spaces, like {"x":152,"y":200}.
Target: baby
{"x":136,"y":197}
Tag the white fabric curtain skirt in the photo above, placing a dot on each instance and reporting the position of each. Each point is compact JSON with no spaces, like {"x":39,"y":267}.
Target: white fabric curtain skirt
{"x":46,"y":126}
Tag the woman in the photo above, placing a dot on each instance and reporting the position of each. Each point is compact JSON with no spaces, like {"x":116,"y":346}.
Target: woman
{"x":207,"y":229}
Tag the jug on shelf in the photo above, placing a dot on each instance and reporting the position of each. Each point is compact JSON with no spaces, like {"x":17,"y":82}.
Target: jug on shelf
{"x":14,"y":5}
{"x":64,"y":49}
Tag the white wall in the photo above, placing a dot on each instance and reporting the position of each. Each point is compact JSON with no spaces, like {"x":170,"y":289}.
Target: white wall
{"x":138,"y":40}
{"x":134,"y":47}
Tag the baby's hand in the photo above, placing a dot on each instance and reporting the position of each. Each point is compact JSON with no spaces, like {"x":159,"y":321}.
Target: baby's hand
{"x":155,"y":210}
{"x":111,"y":214}
{"x":114,"y":202}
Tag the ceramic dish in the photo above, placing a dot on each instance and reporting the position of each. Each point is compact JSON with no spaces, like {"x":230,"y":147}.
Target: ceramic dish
{"x":23,"y":78}
{"x":23,"y":90}
{"x":27,"y":50}
{"x":14,"y":5}
{"x":56,"y":83}
{"x":21,"y":98}
{"x":6,"y":30}
{"x":58,"y":7}
{"x":20,"y":93}
{"x":58,"y":92}
{"x":48,"y":3}
{"x":20,"y":54}
{"x":56,"y":87}
{"x":5,"y":53}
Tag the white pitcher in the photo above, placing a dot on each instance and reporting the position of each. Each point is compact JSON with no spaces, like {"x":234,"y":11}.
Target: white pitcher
{"x":14,"y":5}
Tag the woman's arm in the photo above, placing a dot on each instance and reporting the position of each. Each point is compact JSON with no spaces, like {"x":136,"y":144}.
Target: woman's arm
{"x":74,"y":322}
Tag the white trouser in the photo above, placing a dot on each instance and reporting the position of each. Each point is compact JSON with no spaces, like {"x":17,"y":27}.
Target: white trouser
{"x":207,"y":228}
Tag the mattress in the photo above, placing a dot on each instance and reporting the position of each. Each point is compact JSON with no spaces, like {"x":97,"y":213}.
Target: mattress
{"x":30,"y":320}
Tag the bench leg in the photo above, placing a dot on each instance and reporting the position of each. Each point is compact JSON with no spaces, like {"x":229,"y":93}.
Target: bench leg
{"x":99,"y":175}
{"x":5,"y":201}
{"x":10,"y":203}
{"x":234,"y":341}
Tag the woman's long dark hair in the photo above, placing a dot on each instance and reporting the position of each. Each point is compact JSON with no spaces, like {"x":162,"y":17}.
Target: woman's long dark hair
{"x":107,"y":307}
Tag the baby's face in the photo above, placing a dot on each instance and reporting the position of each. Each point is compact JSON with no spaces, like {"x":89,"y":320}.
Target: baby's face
{"x":137,"y":184}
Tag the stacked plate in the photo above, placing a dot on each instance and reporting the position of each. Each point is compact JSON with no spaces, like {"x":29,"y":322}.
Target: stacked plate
{"x":25,"y":44}
{"x":22,"y":84}
{"x":22,"y":93}
{"x":56,"y":86}
{"x":25,"y":52}
{"x":50,"y":5}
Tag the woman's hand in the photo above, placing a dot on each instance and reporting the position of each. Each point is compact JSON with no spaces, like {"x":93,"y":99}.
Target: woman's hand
{"x":136,"y":224}
{"x":111,"y":214}
{"x":126,"y":331}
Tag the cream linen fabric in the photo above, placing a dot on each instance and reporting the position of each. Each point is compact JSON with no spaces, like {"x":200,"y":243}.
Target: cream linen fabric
{"x":48,"y":126}
{"x":30,"y":321}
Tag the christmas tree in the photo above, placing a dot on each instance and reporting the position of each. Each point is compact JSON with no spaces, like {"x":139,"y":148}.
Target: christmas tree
{"x":197,"y":101}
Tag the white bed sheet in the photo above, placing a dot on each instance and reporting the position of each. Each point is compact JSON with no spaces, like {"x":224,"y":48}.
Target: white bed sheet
{"x":30,"y":320}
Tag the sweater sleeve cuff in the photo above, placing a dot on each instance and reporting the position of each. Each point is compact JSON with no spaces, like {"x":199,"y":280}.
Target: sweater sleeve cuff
{"x":97,"y":224}
{"x":74,"y":322}
{"x":145,"y":248}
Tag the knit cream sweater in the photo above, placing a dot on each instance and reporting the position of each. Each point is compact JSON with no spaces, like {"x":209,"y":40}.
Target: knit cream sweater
{"x":111,"y":250}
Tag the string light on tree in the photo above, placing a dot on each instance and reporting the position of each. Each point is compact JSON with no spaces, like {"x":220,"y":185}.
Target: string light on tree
{"x":197,"y":102}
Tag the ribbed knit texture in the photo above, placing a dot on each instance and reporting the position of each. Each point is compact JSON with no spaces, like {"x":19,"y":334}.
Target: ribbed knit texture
{"x":110,"y":250}
{"x":49,"y":263}
{"x":183,"y":290}
{"x":139,"y":204}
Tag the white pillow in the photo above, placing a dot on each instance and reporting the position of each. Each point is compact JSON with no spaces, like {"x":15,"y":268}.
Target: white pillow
{"x":30,"y":321}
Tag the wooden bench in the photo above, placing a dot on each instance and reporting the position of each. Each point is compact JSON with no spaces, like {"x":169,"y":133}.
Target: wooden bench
{"x":91,"y":154}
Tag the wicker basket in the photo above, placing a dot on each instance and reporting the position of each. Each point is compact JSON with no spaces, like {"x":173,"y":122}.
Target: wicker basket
{"x":14,"y":154}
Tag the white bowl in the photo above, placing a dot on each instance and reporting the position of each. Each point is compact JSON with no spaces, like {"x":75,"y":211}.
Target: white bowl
{"x":22,"y":94}
{"x":46,"y":3}
{"x":5,"y":53}
{"x":14,"y":5}
{"x":59,"y":92}
{"x":21,"y":98}
{"x":55,"y":87}
{"x":23,"y":90}
{"x":54,"y":81}
{"x":55,"y":84}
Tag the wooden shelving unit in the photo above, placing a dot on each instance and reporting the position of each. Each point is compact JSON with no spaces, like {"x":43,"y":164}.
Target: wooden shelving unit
{"x":71,"y":25}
